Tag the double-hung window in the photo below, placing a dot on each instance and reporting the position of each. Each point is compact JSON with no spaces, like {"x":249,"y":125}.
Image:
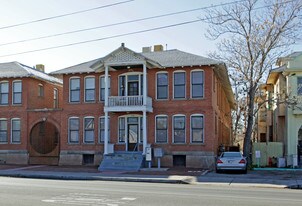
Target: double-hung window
{"x":102,"y":88}
{"x":89,"y":89}
{"x":299,"y":86}
{"x":17,"y":92}
{"x":197,"y":129}
{"x":74,"y":128}
{"x":55,"y":98}
{"x":88,"y":129}
{"x":74,"y":91}
{"x":197,"y":84}
{"x":16,"y":130}
{"x":4,"y":93}
{"x":3,"y":131}
{"x":179,"y":85}
{"x":122,"y":130}
{"x":161,"y":129}
{"x":179,"y":129}
{"x":102,"y":130}
{"x":162,"y":86}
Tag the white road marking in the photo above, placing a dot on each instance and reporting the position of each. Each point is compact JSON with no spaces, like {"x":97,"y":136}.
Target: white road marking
{"x":129,"y":198}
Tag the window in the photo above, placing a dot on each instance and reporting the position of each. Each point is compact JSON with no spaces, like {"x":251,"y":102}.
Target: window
{"x":55,"y":98}
{"x":102,"y":130}
{"x":179,"y":127}
{"x":197,"y":84}
{"x":102,"y":88}
{"x":161,"y":129}
{"x":17,"y":92}
{"x":74,"y":127}
{"x":162,"y":86}
{"x":16,"y":131}
{"x":299,"y":86}
{"x":88,"y":129}
{"x":179,"y":85}
{"x":4,"y":93}
{"x":74,"y":91}
{"x":40,"y":90}
{"x":130,"y":84}
{"x":197,"y":129}
{"x":89,"y":89}
{"x":122,"y":131}
{"x":3,"y":130}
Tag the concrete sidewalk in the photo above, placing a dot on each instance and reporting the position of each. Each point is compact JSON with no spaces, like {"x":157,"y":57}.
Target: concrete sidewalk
{"x":264,"y":178}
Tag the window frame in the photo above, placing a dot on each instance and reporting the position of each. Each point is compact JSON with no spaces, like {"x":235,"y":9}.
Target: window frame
{"x":4,"y":93}
{"x":15,"y":93}
{"x":202,"y":84}
{"x":173,"y":128}
{"x":202,"y":129}
{"x":69,"y":131}
{"x":89,"y":89}
{"x":100,"y":129}
{"x":55,"y":98}
{"x":157,"y":85}
{"x":15,"y":130}
{"x":87,"y":130}
{"x":167,"y":131}
{"x":126,"y":80}
{"x":299,"y":90}
{"x":6,"y":130}
{"x":184,"y":85}
{"x":40,"y":90}
{"x":101,"y":88}
{"x":70,"y":89}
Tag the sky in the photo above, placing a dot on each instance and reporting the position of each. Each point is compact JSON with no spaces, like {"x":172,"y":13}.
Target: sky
{"x":189,"y":38}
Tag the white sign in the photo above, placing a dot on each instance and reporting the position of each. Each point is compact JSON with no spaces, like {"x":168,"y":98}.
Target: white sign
{"x":148,"y":154}
{"x":257,"y":154}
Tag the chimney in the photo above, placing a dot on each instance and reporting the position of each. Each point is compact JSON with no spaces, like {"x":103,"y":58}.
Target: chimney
{"x":146,"y":49}
{"x":158,"y":48}
{"x":40,"y":67}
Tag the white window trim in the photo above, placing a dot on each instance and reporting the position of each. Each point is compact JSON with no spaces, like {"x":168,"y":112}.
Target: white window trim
{"x":88,"y":117}
{"x":1,"y":119}
{"x":99,"y":129}
{"x":5,"y":81}
{"x":55,"y":97}
{"x":11,"y":131}
{"x":100,"y":86}
{"x":69,"y":88}
{"x":203,"y":129}
{"x":126,"y":86}
{"x":162,"y":72}
{"x":179,"y":115}
{"x":17,"y":80}
{"x":179,"y":71}
{"x":191,"y":83}
{"x":126,"y":126}
{"x":90,"y":76}
{"x":69,"y":142}
{"x":162,"y":115}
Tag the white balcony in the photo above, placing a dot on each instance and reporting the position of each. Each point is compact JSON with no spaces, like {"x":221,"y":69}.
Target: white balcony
{"x":128,"y":104}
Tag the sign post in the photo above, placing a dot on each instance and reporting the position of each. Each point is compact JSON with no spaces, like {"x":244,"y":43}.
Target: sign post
{"x":158,"y":152}
{"x":149,"y":156}
{"x":258,"y":156}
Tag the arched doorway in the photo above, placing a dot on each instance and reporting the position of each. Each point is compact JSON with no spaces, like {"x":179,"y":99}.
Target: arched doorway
{"x":44,"y":144}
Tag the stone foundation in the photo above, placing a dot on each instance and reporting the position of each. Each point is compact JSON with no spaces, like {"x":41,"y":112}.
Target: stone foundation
{"x":14,"y":157}
{"x":77,"y":157}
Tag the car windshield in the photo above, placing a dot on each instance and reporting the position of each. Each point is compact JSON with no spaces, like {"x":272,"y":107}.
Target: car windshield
{"x":231,"y":154}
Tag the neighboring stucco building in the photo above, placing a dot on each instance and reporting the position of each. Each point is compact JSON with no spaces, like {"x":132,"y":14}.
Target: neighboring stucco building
{"x":126,"y":101}
{"x":284,"y":114}
{"x":29,"y":115}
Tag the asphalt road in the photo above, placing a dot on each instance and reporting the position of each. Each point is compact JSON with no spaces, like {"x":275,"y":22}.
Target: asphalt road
{"x":18,"y":191}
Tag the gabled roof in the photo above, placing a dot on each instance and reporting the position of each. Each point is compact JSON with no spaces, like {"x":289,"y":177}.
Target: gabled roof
{"x":292,"y":56}
{"x":18,"y":70}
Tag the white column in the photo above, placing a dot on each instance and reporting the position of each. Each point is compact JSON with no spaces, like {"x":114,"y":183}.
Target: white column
{"x":145,"y":84}
{"x":144,"y":132}
{"x":106,"y":134}
{"x":106,"y":113}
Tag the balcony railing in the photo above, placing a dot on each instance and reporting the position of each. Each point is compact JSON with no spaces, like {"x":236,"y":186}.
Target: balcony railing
{"x":128,"y":102}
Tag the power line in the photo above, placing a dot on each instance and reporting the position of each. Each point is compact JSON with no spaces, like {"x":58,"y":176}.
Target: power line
{"x":63,"y":15}
{"x":120,"y":23}
{"x":104,"y":38}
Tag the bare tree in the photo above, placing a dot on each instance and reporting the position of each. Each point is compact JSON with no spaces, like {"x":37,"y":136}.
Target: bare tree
{"x":252,"y":35}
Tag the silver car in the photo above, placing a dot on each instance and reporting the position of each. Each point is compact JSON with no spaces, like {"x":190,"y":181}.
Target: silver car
{"x":231,"y":161}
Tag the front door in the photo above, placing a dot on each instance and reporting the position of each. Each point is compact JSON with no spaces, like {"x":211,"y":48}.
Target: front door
{"x":132,"y":137}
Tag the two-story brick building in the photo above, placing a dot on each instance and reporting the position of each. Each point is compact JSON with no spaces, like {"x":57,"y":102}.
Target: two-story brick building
{"x":29,"y":115}
{"x":127,"y":101}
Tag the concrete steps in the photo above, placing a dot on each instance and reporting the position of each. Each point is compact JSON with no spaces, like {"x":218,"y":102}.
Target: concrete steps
{"x":122,"y":161}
